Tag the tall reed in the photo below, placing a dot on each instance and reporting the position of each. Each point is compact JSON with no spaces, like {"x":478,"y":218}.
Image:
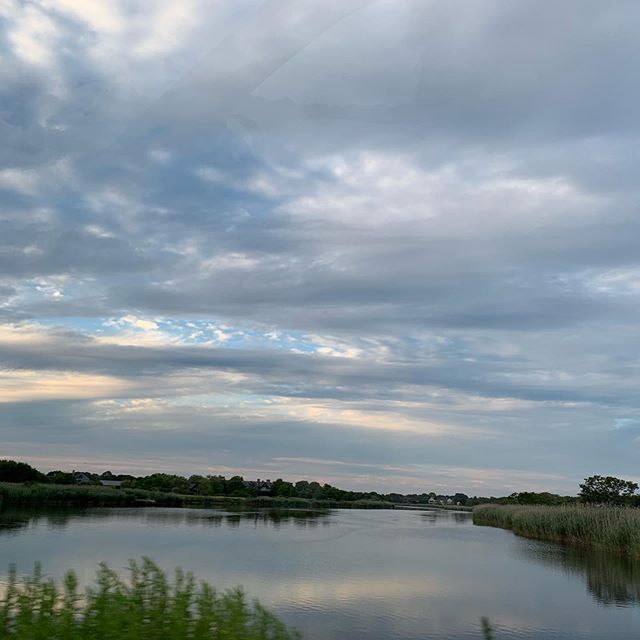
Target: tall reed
{"x":147,"y":606}
{"x":616,"y":528}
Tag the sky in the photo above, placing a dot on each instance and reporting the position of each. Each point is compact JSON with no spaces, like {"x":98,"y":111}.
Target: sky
{"x":390,"y":245}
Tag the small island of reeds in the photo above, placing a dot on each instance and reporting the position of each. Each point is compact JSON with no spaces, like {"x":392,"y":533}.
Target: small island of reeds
{"x":610,"y":527}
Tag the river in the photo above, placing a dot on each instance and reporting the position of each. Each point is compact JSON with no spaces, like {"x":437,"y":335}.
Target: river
{"x":352,"y":574}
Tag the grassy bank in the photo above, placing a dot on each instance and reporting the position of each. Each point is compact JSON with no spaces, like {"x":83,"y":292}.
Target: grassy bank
{"x":36,"y":494}
{"x":615,"y":528}
{"x":147,"y":606}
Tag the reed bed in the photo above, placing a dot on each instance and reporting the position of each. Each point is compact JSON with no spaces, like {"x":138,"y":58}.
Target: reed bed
{"x":37,"y":494}
{"x":146,"y":606}
{"x":615,"y":528}
{"x":32,"y":494}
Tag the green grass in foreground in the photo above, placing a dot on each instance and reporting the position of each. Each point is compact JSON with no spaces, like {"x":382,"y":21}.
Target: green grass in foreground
{"x":616,"y":528}
{"x":146,"y":607}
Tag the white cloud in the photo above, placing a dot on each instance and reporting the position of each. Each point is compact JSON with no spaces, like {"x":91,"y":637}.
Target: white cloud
{"x":615,"y":282}
{"x":33,"y":34}
{"x":141,"y":323}
{"x":211,"y":174}
{"x":102,"y":17}
{"x":161,"y":156}
{"x":22,"y":180}
{"x":378,"y":190}
{"x":167,"y":28}
{"x":30,"y":386}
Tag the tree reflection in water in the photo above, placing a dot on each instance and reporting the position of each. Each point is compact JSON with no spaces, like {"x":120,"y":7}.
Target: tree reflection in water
{"x":611,"y":579}
{"x":12,"y":521}
{"x":435,"y":517}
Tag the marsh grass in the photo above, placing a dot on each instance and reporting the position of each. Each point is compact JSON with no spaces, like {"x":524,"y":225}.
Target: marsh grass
{"x":37,"y":494}
{"x":32,"y":494}
{"x":615,"y":528}
{"x":146,"y":606}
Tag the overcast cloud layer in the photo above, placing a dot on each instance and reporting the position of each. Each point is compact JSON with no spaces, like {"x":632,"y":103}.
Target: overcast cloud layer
{"x":386,"y":245}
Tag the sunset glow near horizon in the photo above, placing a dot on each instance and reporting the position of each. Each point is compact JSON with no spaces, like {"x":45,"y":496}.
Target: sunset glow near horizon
{"x":384,"y":245}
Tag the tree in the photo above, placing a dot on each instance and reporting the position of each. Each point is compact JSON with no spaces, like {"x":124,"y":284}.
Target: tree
{"x":199,"y":485}
{"x":217,"y":485}
{"x":302,"y":489}
{"x":531,"y":497}
{"x":235,"y":487}
{"x":163,"y":482}
{"x":60,"y":477}
{"x":607,"y":490}
{"x":12,"y":471}
{"x":314,"y":490}
{"x":283,"y":488}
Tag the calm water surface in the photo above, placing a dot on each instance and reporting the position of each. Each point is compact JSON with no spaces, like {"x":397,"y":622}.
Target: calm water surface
{"x":351,"y":574}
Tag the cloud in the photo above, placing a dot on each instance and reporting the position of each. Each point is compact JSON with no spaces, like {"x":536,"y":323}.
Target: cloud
{"x":22,"y":181}
{"x":401,"y":237}
{"x":33,"y":386}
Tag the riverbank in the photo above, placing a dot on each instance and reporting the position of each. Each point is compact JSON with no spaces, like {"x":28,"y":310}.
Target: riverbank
{"x":48,"y":495}
{"x":613,"y":528}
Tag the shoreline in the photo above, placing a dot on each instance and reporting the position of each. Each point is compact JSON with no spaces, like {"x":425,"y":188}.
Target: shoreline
{"x":47,"y":495}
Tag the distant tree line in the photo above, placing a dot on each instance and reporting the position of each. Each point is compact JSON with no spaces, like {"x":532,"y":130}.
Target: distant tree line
{"x":533,"y":497}
{"x":218,"y":485}
{"x":594,"y":490}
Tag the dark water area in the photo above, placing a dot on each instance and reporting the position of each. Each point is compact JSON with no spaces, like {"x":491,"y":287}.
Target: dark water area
{"x":352,"y":574}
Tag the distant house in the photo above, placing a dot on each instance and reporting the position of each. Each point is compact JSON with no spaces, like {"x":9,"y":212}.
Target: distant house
{"x":432,"y":500}
{"x":107,"y":479}
{"x":81,"y":477}
{"x":261,"y":487}
{"x":111,"y":483}
{"x":449,"y":501}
